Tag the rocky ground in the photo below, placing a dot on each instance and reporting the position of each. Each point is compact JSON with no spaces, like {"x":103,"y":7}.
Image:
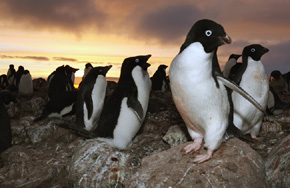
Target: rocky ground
{"x":46,"y":155}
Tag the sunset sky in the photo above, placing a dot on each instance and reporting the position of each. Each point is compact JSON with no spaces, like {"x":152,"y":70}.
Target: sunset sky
{"x":44,"y":34}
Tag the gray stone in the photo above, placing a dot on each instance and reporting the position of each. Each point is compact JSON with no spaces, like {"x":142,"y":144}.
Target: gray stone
{"x":39,"y":133}
{"x":277,"y":165}
{"x":235,"y":164}
{"x":176,"y":135}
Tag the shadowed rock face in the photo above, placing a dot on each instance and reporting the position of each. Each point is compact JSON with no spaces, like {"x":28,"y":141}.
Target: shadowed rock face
{"x":45,"y":155}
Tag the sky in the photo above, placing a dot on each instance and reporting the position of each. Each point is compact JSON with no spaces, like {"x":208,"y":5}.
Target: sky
{"x":44,"y":34}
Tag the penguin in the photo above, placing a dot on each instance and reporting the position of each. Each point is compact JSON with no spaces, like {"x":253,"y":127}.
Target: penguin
{"x":274,"y":104}
{"x":126,"y":108}
{"x":11,"y":75}
{"x":18,"y":75}
{"x":253,"y":79}
{"x":199,"y":88}
{"x":5,"y":128}
{"x":286,"y":77}
{"x":230,"y":63}
{"x":25,"y":87}
{"x":70,"y":73}
{"x":91,"y":97}
{"x":3,"y":81}
{"x":277,"y":82}
{"x":87,"y":69}
{"x":159,"y":81}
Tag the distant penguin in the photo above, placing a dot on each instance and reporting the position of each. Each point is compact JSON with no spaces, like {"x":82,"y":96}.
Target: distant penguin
{"x":253,"y":79}
{"x":70,"y":72}
{"x":230,"y":63}
{"x":277,"y":82}
{"x":199,"y":88}
{"x":91,"y":97}
{"x":126,"y":108}
{"x":25,"y":87}
{"x":3,"y":81}
{"x":11,"y":74}
{"x":87,"y":69}
{"x":274,"y":105}
{"x":5,"y":128}
{"x":159,"y":80}
{"x":286,"y":77}
{"x":18,"y":75}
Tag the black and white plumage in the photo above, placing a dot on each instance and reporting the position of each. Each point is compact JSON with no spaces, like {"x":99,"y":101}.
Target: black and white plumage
{"x":253,"y":79}
{"x":3,"y":81}
{"x":159,"y":80}
{"x":232,"y":61}
{"x":274,"y":105}
{"x":11,"y":75}
{"x":198,"y":87}
{"x":91,"y":97}
{"x":126,"y":108}
{"x":87,"y":69}
{"x":18,"y":75}
{"x":278,"y":82}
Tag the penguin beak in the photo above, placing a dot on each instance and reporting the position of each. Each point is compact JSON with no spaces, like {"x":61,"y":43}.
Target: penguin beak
{"x":107,"y":68}
{"x":265,"y":50}
{"x":227,"y":39}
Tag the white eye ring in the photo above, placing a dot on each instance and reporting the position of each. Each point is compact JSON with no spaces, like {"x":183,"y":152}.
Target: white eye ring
{"x":253,"y":49}
{"x":208,"y":33}
{"x":136,"y":60}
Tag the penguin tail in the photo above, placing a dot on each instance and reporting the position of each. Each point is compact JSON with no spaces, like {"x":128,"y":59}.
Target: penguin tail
{"x":79,"y":131}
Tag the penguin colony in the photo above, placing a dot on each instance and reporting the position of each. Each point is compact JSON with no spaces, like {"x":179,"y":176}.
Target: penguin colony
{"x":212,"y":103}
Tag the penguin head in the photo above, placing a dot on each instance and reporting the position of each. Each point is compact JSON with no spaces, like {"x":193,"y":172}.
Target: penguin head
{"x":69,"y":69}
{"x":102,"y":70}
{"x":235,"y":56}
{"x":26,"y":72}
{"x":209,"y":33}
{"x":275,"y":75}
{"x":11,"y":66}
{"x":255,"y":51}
{"x":89,"y":65}
{"x":20,"y":68}
{"x":162,"y":67}
{"x":131,"y":62}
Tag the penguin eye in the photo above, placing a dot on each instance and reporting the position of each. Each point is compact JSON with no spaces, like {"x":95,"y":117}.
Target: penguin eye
{"x":208,"y":33}
{"x":253,"y":50}
{"x":136,"y":60}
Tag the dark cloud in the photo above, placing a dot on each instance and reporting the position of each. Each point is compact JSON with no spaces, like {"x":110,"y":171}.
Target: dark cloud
{"x":69,"y":15}
{"x":38,"y":58}
{"x":169,"y":24}
{"x":64,"y":59}
{"x":278,"y":58}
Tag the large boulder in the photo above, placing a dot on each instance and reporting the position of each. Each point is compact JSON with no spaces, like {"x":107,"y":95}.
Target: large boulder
{"x":235,"y":164}
{"x":277,"y":165}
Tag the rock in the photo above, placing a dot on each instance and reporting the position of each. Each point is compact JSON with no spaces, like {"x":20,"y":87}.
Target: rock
{"x":235,"y":164}
{"x":277,"y":165}
{"x":37,"y":105}
{"x":13,"y":110}
{"x":95,"y":164}
{"x":176,"y":135}
{"x":39,"y":133}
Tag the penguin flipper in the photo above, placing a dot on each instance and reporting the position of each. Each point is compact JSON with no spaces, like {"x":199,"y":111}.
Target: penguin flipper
{"x":242,"y":92}
{"x":136,"y":106}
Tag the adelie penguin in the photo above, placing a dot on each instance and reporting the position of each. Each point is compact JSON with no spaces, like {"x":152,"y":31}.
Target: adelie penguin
{"x":232,"y":61}
{"x":87,"y":69}
{"x":199,"y":88}
{"x":11,"y":73}
{"x":91,"y":97}
{"x":253,"y":79}
{"x":126,"y":108}
{"x":25,"y":87}
{"x":159,"y":81}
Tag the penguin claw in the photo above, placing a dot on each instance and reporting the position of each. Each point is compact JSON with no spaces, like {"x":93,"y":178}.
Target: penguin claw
{"x":202,"y":158}
{"x":195,"y":146}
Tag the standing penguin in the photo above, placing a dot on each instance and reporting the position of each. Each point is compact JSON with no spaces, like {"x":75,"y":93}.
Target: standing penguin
{"x":252,"y":78}
{"x":25,"y":87}
{"x":198,"y":87}
{"x":11,"y":75}
{"x":278,"y":82}
{"x":18,"y":75}
{"x":159,"y":81}
{"x":91,"y":97}
{"x":5,"y":128}
{"x":126,"y":108}
{"x":87,"y":69}
{"x":3,"y":81}
{"x":230,"y":63}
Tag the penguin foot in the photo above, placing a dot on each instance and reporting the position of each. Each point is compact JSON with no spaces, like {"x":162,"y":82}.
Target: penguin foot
{"x":259,"y":139}
{"x":202,"y":158}
{"x":195,"y":146}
